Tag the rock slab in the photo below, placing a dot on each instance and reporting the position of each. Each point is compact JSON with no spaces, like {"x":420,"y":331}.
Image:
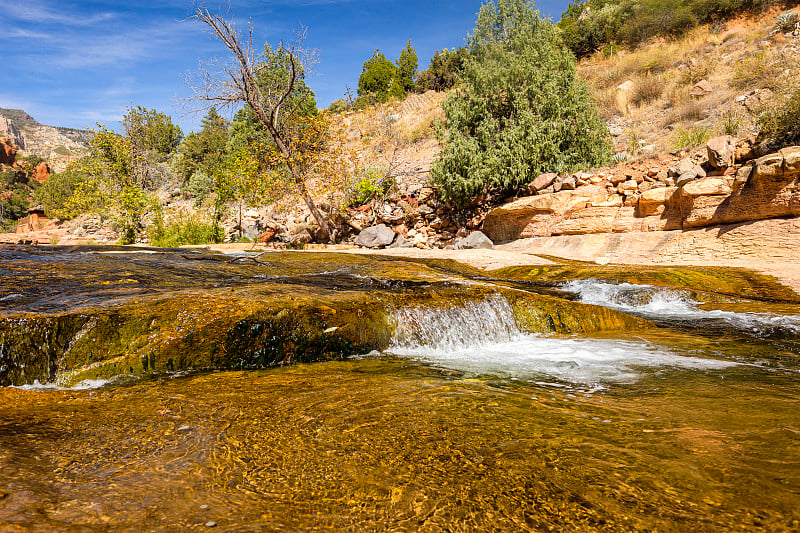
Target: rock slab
{"x":375,"y":236}
{"x":474,"y":241}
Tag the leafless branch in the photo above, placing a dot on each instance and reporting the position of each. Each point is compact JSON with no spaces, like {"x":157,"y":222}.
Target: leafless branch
{"x":262,"y":82}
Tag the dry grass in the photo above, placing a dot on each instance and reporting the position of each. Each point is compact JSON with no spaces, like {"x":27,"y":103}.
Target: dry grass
{"x":758,"y":71}
{"x":647,"y":90}
{"x":663,"y":74}
{"x":688,"y":112}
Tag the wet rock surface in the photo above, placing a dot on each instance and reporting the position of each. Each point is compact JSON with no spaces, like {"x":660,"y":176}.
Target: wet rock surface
{"x":76,"y":313}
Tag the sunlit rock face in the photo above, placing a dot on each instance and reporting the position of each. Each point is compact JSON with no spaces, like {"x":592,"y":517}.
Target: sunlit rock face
{"x":766,"y":188}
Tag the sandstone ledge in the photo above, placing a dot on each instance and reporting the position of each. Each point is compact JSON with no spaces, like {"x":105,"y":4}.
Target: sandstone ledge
{"x":766,"y":188}
{"x":768,"y":246}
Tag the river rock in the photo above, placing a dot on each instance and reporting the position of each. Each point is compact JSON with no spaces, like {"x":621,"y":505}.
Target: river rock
{"x":375,"y":236}
{"x":476,"y":240}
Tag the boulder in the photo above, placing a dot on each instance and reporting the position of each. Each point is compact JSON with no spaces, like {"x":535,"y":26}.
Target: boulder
{"x":627,"y":187}
{"x":301,"y":239}
{"x":476,"y":240}
{"x":521,"y":218}
{"x":614,"y":200}
{"x":623,"y":96}
{"x":721,"y":151}
{"x":401,"y":242}
{"x":569,"y":183}
{"x":658,"y":196}
{"x":272,"y":229}
{"x":769,"y":166}
{"x":542,"y":181}
{"x":685,"y":178}
{"x":707,"y":187}
{"x":791,"y":160}
{"x":700,"y":89}
{"x":375,"y":236}
{"x":616,"y":179}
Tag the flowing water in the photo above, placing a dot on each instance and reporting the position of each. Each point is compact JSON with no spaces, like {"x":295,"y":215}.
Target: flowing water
{"x":465,"y":422}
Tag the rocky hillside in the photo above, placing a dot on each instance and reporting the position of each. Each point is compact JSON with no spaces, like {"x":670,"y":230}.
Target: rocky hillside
{"x":58,"y":146}
{"x":714,"y":80}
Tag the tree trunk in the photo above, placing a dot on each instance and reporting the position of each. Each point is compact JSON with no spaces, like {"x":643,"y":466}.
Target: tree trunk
{"x":301,"y":184}
{"x":315,"y":212}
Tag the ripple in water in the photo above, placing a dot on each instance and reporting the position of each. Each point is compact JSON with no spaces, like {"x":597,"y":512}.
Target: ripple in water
{"x":671,"y":304}
{"x":483,"y":338}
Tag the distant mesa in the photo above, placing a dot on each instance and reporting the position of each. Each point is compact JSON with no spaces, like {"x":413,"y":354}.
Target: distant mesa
{"x":59,"y":146}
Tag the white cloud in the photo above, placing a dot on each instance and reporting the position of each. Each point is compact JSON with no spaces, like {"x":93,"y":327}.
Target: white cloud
{"x":36,"y":11}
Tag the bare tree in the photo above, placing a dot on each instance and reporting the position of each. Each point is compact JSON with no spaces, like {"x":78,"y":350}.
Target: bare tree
{"x":268,"y":96}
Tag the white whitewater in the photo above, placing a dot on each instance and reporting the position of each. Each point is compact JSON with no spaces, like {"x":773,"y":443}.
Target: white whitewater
{"x":482,"y":338}
{"x":672,"y":304}
{"x":87,"y":384}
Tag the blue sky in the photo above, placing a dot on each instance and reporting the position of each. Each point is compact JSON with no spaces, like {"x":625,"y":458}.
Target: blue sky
{"x":74,"y":64}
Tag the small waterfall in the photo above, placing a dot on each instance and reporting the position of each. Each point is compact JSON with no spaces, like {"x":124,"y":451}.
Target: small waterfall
{"x":471,"y":324}
{"x":671,"y":304}
{"x":482,"y":338}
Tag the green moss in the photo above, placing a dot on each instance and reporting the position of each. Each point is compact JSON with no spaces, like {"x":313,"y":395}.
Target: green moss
{"x":103,"y":315}
{"x":545,"y":314}
{"x":733,"y":282}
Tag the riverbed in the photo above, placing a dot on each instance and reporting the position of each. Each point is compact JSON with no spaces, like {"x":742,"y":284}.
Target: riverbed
{"x":463,"y":421}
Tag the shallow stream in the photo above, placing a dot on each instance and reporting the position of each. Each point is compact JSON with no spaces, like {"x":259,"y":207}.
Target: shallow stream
{"x":464,"y":421}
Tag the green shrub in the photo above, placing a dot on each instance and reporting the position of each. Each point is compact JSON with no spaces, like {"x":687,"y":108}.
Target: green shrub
{"x":634,"y":144}
{"x":756,"y":71}
{"x":787,"y":22}
{"x":14,"y":201}
{"x":200,"y":186}
{"x":444,"y":70}
{"x":338,"y":106}
{"x":687,"y":138}
{"x":731,"y":123}
{"x":371,"y":185}
{"x":780,"y":127}
{"x":521,"y":110}
{"x":54,"y":193}
{"x":191,"y":230}
{"x":588,"y":25}
{"x":377,"y":77}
